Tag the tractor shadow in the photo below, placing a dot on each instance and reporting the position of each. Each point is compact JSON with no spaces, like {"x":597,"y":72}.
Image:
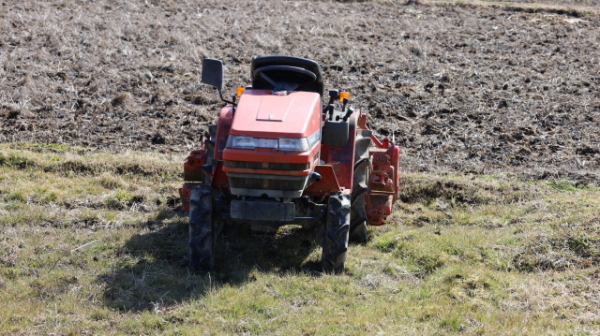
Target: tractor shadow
{"x":152,"y":270}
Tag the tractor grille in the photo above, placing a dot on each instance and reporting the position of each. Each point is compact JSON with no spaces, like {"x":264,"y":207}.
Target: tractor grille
{"x":268,"y":182}
{"x":266,"y":165}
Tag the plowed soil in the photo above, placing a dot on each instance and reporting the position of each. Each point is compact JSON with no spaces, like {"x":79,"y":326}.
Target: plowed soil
{"x":462,"y":88}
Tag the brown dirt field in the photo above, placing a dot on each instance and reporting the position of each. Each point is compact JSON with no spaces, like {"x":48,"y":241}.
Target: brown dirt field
{"x":463,"y":88}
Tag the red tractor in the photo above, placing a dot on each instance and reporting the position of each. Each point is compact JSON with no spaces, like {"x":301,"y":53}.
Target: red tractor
{"x":277,"y":157}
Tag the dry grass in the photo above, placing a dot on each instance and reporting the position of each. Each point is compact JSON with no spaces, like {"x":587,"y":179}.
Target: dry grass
{"x":481,"y":89}
{"x":103,"y":251}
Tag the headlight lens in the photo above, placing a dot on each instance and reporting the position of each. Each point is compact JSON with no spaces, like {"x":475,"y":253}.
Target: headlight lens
{"x":241,"y":141}
{"x":293,"y":144}
{"x":282,"y":144}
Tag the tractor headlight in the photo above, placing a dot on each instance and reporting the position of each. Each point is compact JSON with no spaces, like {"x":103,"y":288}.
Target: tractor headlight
{"x":241,"y":142}
{"x":248,"y":142}
{"x":293,"y":144}
{"x":282,"y":144}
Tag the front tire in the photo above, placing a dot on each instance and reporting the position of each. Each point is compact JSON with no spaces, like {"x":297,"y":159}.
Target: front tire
{"x":201,"y":256}
{"x":337,"y":228}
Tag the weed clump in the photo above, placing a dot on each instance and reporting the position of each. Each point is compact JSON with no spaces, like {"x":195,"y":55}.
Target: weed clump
{"x":16,"y":161}
{"x":122,"y":199}
{"x":571,"y":246}
{"x":121,"y":99}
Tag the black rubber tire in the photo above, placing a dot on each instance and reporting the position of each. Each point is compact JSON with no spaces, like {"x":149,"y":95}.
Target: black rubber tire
{"x":337,"y":228}
{"x":358,"y":224}
{"x":201,"y":256}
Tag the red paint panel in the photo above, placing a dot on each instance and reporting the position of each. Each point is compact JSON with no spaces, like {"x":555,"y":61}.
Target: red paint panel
{"x":269,"y":155}
{"x":267,"y":171}
{"x":295,"y":115}
{"x":223,"y":129}
{"x":328,"y":183}
{"x":192,"y":170}
{"x":361,"y":120}
{"x":219,"y":178}
{"x":273,"y":108}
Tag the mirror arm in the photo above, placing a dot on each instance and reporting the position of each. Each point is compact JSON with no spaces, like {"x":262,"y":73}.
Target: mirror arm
{"x":225,"y":100}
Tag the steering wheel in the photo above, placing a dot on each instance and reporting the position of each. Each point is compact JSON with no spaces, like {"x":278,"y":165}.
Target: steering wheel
{"x":309,"y":76}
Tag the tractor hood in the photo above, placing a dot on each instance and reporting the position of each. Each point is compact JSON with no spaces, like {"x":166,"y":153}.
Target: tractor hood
{"x":264,"y":115}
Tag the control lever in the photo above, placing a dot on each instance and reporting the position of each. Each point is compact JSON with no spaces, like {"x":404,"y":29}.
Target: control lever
{"x":333,"y":95}
{"x":330,"y":109}
{"x":348,"y":114}
{"x":345,"y":102}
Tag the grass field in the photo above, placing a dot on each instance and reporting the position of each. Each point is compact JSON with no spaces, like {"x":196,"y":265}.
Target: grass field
{"x":93,"y":243}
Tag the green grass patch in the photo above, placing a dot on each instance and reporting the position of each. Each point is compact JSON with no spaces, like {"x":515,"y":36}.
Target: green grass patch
{"x":103,"y":251}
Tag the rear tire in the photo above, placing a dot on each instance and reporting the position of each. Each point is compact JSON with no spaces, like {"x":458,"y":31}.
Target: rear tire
{"x":201,"y":257}
{"x":337,"y":228}
{"x":358,"y":224}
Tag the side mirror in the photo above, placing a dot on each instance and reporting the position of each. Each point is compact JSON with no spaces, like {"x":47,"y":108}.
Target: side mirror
{"x":212,"y":73}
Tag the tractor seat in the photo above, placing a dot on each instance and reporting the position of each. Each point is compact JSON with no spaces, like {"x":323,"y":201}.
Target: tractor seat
{"x":286,"y":73}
